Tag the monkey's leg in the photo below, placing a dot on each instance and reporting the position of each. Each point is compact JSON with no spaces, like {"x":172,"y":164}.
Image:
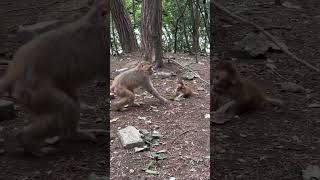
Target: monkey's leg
{"x":32,"y":137}
{"x":127,"y":97}
{"x":149,"y":87}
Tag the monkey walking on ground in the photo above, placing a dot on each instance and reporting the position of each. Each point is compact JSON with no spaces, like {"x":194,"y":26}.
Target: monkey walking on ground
{"x":125,"y":83}
{"x":46,"y":73}
{"x":244,"y":94}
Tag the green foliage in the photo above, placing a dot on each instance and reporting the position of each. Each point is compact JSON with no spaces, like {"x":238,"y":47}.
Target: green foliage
{"x":171,"y":11}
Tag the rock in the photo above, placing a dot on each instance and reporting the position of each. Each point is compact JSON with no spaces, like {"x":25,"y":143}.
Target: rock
{"x":93,"y":176}
{"x":144,"y":131}
{"x":314,"y":105}
{"x":290,"y":5}
{"x":257,"y":45}
{"x":27,"y":32}
{"x":188,"y":76}
{"x":53,"y":140}
{"x":7,"y":110}
{"x":138,"y":149}
{"x":130,"y":137}
{"x":164,"y":74}
{"x":291,"y":87}
{"x":311,"y":172}
{"x":1,"y":140}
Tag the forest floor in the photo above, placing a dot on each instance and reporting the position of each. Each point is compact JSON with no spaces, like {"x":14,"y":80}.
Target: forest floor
{"x":272,"y":143}
{"x":184,"y":127}
{"x":77,"y":160}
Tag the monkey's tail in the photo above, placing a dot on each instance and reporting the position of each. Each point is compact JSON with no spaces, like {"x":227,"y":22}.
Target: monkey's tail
{"x":274,"y":101}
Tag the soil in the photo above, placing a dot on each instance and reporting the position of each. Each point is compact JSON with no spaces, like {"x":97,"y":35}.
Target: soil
{"x":76,"y":160}
{"x":271,"y":143}
{"x":183,"y":125}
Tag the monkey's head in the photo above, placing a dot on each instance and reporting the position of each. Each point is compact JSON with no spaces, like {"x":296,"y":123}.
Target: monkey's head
{"x":146,"y":68}
{"x":225,"y":77}
{"x":180,"y":86}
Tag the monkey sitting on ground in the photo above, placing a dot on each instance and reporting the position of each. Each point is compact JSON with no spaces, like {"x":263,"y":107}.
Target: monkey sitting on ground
{"x":125,"y":83}
{"x":46,"y":73}
{"x":182,"y":90}
{"x":244,"y":94}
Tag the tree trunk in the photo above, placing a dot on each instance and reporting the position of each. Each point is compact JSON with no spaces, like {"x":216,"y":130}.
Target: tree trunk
{"x":151,"y":28}
{"x":121,"y":18}
{"x":195,"y":15}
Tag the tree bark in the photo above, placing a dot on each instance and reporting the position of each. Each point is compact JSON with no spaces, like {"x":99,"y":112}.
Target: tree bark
{"x":195,"y":14}
{"x":151,"y":28}
{"x":123,"y":24}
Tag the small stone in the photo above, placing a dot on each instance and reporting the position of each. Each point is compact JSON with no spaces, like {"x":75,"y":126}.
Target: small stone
{"x":7,"y":110}
{"x":2,"y":151}
{"x":99,"y":120}
{"x":144,"y":131}
{"x":53,"y":140}
{"x":1,"y":140}
{"x":130,"y":137}
{"x":292,"y":87}
{"x":93,"y":176}
{"x":314,"y":105}
{"x":242,"y":160}
{"x":131,"y":171}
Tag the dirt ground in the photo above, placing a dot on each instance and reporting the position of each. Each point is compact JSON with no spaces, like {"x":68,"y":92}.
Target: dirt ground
{"x":188,"y":155}
{"x":272,"y":143}
{"x":77,"y":160}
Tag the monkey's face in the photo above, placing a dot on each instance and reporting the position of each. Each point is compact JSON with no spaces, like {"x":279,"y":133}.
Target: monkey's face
{"x":222,"y":82}
{"x":146,"y":68}
{"x":180,"y":88}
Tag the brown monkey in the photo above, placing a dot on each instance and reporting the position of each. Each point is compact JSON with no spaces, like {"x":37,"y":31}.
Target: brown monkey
{"x":125,"y":83}
{"x":182,"y":90}
{"x":244,"y":94}
{"x":46,"y":73}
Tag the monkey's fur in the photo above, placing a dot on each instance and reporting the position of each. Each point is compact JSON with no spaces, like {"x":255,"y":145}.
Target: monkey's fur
{"x":244,"y":94}
{"x":182,"y":90}
{"x":46,"y":73}
{"x":125,"y":83}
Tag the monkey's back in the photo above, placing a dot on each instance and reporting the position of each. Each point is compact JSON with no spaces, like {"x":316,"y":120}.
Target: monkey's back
{"x":73,"y":54}
{"x":250,"y":96}
{"x":131,"y":79}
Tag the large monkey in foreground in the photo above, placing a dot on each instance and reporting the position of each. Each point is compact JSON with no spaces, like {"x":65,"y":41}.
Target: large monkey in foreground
{"x":46,"y":72}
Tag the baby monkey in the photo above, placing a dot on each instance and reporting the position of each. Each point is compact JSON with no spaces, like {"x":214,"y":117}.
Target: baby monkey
{"x":182,"y":90}
{"x":244,"y":94}
{"x":125,"y":83}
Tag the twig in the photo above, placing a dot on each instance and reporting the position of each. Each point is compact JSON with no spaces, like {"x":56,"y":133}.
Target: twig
{"x":189,"y":70}
{"x":268,"y":35}
{"x":193,"y":129}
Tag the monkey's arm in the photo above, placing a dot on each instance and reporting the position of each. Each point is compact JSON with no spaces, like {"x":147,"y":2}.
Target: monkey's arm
{"x":149,"y":87}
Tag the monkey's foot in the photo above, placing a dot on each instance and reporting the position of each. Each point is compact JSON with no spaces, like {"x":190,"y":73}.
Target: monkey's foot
{"x":44,"y":151}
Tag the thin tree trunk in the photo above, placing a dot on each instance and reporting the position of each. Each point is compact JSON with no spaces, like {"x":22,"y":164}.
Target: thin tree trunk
{"x":195,"y":28}
{"x":134,"y":14}
{"x":116,"y":50}
{"x":177,"y":24}
{"x":123,"y":24}
{"x":151,"y":28}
